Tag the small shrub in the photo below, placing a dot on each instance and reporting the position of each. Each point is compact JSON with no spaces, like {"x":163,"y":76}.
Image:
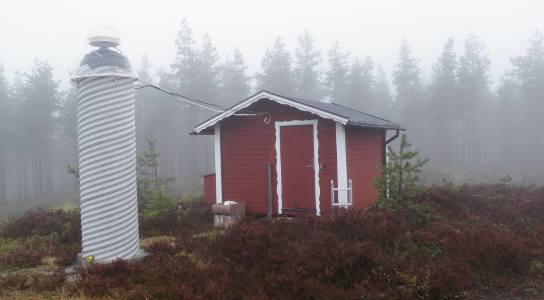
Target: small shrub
{"x":35,"y":235}
{"x":41,"y":282}
{"x":13,"y":282}
{"x":192,"y":214}
{"x":67,"y":224}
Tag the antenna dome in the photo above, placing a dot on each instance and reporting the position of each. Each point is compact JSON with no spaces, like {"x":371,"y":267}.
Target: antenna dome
{"x":104,"y":36}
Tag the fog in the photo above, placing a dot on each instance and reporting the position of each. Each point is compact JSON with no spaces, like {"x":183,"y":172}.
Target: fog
{"x":465,"y":79}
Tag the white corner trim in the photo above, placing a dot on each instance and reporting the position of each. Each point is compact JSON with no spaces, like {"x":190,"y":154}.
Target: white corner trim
{"x":218,"y":177}
{"x":275,"y":98}
{"x":341,"y":166}
{"x":316,"y":160}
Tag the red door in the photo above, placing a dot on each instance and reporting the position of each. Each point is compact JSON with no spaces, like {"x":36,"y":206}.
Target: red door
{"x":297,"y":172}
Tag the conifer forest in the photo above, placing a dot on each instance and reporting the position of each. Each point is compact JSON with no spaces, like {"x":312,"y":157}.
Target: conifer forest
{"x":470,"y":128}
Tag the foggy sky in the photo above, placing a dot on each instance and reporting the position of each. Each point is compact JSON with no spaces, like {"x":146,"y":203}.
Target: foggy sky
{"x":56,"y":30}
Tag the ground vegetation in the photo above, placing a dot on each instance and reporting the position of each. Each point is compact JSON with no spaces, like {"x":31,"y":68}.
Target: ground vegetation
{"x":486,"y":243}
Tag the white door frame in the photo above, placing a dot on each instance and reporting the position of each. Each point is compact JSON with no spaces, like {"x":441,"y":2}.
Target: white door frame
{"x":315,"y":160}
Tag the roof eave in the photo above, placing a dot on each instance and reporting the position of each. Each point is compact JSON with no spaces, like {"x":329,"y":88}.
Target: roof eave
{"x":375,"y":126}
{"x":273,"y":97}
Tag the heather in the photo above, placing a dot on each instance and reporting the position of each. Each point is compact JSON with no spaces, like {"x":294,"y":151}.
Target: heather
{"x":476,"y":240}
{"x":50,"y":235}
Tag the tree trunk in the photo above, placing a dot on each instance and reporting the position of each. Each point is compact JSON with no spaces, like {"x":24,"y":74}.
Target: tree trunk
{"x":3,"y":200}
{"x":37,"y":170}
{"x":50,"y":167}
{"x":25,"y":188}
{"x":19,"y":176}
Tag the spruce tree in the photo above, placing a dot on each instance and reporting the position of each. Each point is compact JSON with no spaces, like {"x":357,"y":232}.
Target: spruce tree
{"x":68,"y":126}
{"x":185,"y":78}
{"x":6,"y":131}
{"x":276,"y":75}
{"x":381,"y":93}
{"x":306,"y":71}
{"x":360,"y":82}
{"x":474,"y":66}
{"x":442,"y":102}
{"x":143,"y":99}
{"x":208,"y":72}
{"x":406,"y":77}
{"x":40,"y":107}
{"x":410,"y":93}
{"x":510,"y":115}
{"x":184,"y":69}
{"x":528,"y":71}
{"x":234,"y":81}
{"x":336,"y":76}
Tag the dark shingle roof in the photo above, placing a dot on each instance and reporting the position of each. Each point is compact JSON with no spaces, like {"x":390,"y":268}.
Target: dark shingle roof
{"x":356,"y":118}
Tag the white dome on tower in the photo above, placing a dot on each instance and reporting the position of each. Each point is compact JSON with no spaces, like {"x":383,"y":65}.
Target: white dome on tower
{"x":104,"y":36}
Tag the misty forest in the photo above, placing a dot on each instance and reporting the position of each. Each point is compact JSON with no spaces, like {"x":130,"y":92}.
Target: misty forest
{"x":469,"y":131}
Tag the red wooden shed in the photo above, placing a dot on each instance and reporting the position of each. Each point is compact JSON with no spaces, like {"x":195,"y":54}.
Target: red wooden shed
{"x":307,"y":144}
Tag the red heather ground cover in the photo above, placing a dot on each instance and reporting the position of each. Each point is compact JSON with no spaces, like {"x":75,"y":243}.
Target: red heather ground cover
{"x":478,"y":239}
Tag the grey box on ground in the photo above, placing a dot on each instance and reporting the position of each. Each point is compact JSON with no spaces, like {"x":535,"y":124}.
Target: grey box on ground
{"x":227,"y":215}
{"x":84,"y":263}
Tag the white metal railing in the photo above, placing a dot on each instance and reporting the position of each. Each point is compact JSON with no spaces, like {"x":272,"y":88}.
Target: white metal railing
{"x":349,"y":189}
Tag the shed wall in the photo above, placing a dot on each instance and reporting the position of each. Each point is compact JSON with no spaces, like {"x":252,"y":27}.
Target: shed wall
{"x":209,"y":189}
{"x":248,"y":144}
{"x":364,"y":152}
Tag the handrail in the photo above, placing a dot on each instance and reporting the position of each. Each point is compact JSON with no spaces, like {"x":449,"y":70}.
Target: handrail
{"x":349,"y":188}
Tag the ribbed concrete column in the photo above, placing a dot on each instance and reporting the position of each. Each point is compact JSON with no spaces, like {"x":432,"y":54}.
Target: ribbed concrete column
{"x":107,"y":162}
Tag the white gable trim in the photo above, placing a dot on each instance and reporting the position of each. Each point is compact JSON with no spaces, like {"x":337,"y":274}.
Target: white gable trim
{"x":218,"y":177}
{"x":273,"y":97}
{"x":341,"y":165}
{"x":316,"y":160}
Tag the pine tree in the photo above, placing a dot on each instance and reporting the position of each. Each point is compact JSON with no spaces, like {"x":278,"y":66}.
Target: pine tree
{"x":67,"y":118}
{"x":336,"y":80}
{"x":40,"y":106}
{"x":360,"y":82}
{"x":207,"y":90}
{"x":185,"y":78}
{"x":23,"y":144}
{"x":510,"y":116}
{"x":166,"y":118}
{"x":6,"y":131}
{"x":208,"y":72}
{"x":399,"y":177}
{"x":143,"y":99}
{"x":529,"y":70}
{"x":184,"y":69}
{"x":529,"y":73}
{"x":150,"y":184}
{"x":234,"y":81}
{"x":406,"y":77}
{"x":410,"y":93}
{"x":443,"y":93}
{"x":473,"y":74}
{"x":306,"y":72}
{"x":382,"y":94}
{"x":276,"y":75}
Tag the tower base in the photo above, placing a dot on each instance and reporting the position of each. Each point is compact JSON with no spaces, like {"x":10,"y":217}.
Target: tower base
{"x":82,"y":261}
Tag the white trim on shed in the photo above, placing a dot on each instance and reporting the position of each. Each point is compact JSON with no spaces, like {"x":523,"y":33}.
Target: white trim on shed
{"x":341,"y":165}
{"x":218,"y":177}
{"x":266,"y":95}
